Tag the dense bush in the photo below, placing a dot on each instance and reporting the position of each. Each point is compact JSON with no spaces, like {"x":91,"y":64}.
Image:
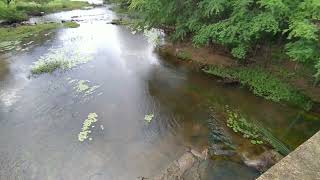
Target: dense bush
{"x":240,"y":25}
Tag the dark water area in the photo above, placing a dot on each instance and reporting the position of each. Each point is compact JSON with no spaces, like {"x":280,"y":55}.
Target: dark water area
{"x":41,"y":116}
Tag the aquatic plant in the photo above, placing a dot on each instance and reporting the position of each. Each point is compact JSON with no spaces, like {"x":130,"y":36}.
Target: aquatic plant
{"x":274,"y":142}
{"x":83,"y":86}
{"x":59,"y":58}
{"x":148,"y":117}
{"x":85,"y":130}
{"x":240,"y":125}
{"x":255,"y":132}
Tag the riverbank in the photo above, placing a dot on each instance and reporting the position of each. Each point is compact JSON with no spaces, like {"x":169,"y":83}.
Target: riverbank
{"x":21,"y":11}
{"x":12,"y":37}
{"x":268,"y":72}
{"x":276,"y":80}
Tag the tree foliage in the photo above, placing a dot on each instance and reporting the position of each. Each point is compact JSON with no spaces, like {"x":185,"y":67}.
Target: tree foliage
{"x":239,"y":25}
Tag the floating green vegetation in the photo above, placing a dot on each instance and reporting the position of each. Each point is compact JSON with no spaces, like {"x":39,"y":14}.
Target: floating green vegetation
{"x":58,"y":59}
{"x":148,"y":117}
{"x":263,"y":84}
{"x":240,"y":125}
{"x":83,"y":86}
{"x":85,"y":130}
{"x":254,"y":132}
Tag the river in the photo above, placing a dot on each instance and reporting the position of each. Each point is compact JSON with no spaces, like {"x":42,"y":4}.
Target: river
{"x":41,"y":116}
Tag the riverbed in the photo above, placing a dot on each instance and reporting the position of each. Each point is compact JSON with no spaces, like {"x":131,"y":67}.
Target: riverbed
{"x":41,"y":116}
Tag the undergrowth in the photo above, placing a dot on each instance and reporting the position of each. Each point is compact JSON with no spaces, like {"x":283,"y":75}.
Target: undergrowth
{"x":19,"y":11}
{"x":263,"y":84}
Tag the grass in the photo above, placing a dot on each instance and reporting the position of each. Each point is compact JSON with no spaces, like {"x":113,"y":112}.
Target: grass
{"x":10,"y":14}
{"x":31,"y":8}
{"x":21,"y":32}
{"x":48,"y":67}
{"x":263,"y":84}
{"x":18,"y":12}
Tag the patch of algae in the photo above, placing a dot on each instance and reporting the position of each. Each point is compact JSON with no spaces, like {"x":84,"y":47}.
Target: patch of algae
{"x":83,"y":86}
{"x":85,"y":130}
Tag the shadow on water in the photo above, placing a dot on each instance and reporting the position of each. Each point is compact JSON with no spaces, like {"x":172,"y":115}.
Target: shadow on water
{"x":39,"y":129}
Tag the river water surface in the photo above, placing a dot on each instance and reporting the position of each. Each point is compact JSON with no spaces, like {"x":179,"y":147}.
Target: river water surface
{"x":41,"y":116}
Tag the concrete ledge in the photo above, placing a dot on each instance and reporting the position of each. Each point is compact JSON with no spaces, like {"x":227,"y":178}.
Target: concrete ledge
{"x":302,"y":163}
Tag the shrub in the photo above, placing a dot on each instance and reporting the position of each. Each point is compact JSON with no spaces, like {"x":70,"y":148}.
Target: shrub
{"x":11,"y":15}
{"x":264,"y":84}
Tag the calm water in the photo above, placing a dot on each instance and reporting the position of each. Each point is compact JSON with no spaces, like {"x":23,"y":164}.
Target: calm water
{"x":40,"y":117}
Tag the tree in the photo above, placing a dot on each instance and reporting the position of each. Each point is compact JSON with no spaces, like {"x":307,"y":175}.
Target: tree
{"x":240,"y":25}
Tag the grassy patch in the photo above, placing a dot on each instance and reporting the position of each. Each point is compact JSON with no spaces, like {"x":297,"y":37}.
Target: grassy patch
{"x":264,"y":84}
{"x":32,"y":8}
{"x":18,"y":12}
{"x":58,"y":59}
{"x":21,"y":32}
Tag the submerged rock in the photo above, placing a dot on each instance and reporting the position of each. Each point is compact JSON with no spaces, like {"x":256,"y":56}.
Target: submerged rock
{"x":263,"y":161}
{"x":187,"y":165}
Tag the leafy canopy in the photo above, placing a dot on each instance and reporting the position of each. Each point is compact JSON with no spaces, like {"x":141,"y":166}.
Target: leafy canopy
{"x":239,"y":25}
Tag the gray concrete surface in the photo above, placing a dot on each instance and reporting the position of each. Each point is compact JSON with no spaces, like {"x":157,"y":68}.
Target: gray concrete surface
{"x":301,"y":164}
